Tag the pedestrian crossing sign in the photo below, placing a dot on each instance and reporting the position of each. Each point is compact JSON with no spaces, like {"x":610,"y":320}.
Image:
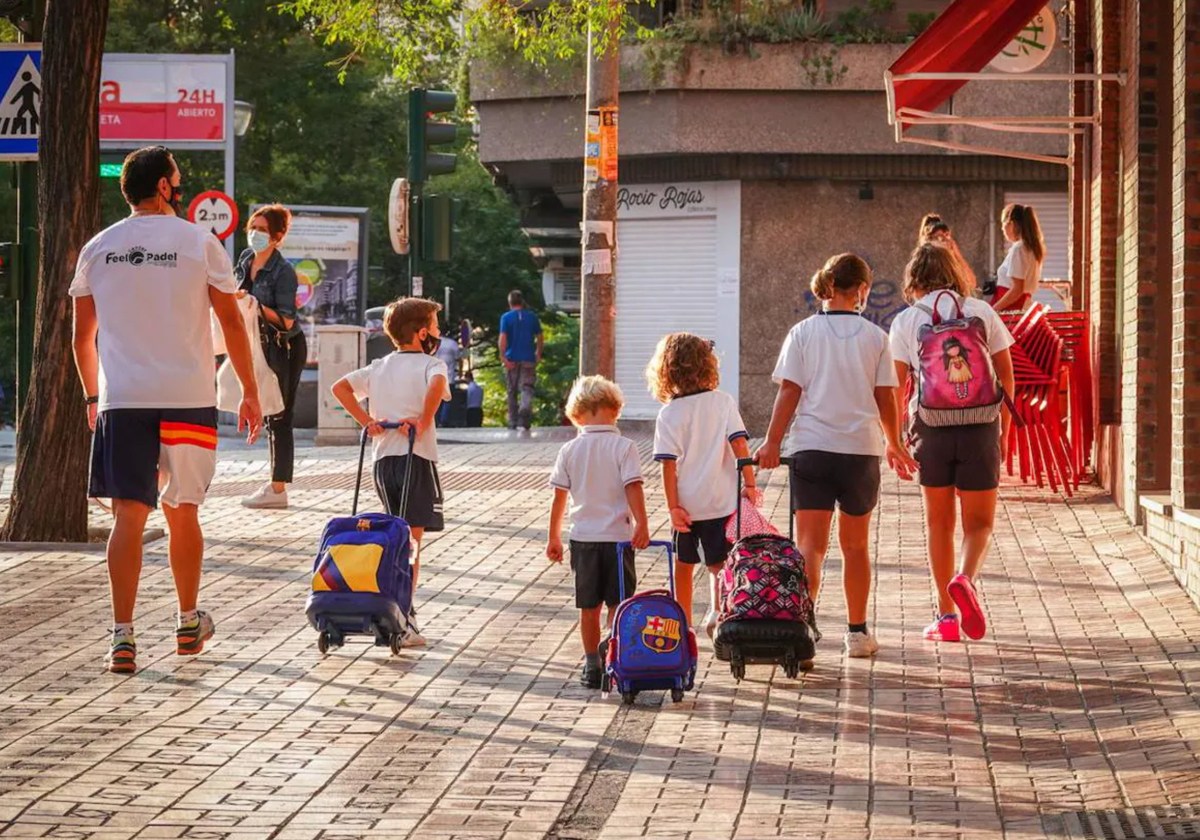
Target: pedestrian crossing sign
{"x":21,"y":105}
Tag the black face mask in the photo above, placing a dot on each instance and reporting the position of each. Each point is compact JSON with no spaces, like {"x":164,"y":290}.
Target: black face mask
{"x":177,"y":200}
{"x":430,"y":343}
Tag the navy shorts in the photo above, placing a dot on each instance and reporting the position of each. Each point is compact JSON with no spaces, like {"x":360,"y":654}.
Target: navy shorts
{"x":825,"y":480}
{"x":963,"y":457}
{"x":138,"y":451}
{"x":597,"y":578}
{"x":424,"y":509}
{"x":707,"y":535}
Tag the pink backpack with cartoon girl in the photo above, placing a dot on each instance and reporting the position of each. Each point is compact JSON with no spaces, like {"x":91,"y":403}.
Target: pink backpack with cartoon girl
{"x":956,"y":381}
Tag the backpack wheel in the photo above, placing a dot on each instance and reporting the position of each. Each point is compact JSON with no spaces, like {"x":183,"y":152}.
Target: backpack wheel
{"x":395,"y":641}
{"x":676,"y":695}
{"x":323,"y":642}
{"x":628,"y":697}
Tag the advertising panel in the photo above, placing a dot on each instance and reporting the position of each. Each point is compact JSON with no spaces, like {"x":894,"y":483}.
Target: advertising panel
{"x":163,"y":99}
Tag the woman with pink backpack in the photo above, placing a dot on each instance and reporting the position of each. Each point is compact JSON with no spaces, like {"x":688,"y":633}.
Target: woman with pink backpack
{"x":956,"y":348}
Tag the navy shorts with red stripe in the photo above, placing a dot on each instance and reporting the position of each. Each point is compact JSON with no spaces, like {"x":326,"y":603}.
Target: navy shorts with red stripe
{"x":137,"y":451}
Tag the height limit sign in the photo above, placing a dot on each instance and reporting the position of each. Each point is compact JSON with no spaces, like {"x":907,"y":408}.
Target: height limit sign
{"x":215,"y":211}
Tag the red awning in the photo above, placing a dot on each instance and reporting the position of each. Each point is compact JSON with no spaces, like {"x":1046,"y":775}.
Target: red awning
{"x":963,"y":39}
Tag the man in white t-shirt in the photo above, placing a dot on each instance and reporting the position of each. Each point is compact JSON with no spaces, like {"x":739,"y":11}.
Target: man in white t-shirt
{"x":142,"y":293}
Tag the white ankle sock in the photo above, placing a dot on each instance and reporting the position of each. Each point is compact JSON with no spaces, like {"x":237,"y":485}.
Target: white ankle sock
{"x":122,"y":630}
{"x":188,"y":618}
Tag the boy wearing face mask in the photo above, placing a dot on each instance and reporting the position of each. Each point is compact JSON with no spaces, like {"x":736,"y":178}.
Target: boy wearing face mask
{"x":262,"y":271}
{"x":406,"y":387}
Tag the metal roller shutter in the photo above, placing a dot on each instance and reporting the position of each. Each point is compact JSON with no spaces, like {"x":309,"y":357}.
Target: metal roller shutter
{"x":1054,"y":216}
{"x":666,"y":282}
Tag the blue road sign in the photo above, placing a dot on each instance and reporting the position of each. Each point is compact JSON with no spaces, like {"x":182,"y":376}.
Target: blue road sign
{"x":21,"y":103}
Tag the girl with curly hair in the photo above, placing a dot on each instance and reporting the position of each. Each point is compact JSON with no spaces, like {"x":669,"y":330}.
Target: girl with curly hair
{"x":697,"y":439}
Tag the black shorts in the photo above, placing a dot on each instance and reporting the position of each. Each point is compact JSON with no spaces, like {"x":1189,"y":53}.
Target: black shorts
{"x":963,"y":457}
{"x":424,"y":508}
{"x":825,"y":480}
{"x":596,"y":574}
{"x":137,"y":451}
{"x":708,"y":534}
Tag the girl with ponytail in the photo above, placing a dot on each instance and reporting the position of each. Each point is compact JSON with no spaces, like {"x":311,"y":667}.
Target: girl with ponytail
{"x":837,"y":378}
{"x":934,"y":230}
{"x":1019,"y":275}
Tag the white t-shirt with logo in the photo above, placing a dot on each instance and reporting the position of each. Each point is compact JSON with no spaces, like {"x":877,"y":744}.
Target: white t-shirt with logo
{"x":396,"y":385}
{"x":1019,"y":262}
{"x":838,"y":359}
{"x":903,"y":335}
{"x":149,"y":277}
{"x":595,"y":468}
{"x":695,"y":431}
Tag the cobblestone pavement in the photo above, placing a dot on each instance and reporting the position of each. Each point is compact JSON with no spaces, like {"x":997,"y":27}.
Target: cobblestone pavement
{"x":1083,"y":695}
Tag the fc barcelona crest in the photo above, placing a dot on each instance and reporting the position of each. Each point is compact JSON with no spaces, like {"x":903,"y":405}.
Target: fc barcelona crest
{"x":660,"y":634}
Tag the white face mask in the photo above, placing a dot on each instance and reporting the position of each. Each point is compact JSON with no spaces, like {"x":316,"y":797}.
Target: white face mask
{"x":259,"y":241}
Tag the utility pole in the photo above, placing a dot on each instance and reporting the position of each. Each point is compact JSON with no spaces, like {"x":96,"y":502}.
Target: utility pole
{"x":26,"y":246}
{"x":598,"y":328}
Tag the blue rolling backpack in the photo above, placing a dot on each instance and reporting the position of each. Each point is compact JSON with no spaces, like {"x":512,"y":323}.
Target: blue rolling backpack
{"x":652,"y":648}
{"x":362,"y":578}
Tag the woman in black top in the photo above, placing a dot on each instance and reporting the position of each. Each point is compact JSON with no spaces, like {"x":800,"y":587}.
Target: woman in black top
{"x":264,"y":273}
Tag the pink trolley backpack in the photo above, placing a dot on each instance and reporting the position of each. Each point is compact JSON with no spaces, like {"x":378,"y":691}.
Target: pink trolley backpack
{"x":766,"y":613}
{"x":956,"y":381}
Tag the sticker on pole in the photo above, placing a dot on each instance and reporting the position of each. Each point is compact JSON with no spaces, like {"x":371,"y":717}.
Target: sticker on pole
{"x":215,"y":211}
{"x":1032,"y":46}
{"x":20,"y":109}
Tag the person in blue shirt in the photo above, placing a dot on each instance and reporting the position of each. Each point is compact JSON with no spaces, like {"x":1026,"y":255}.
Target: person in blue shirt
{"x":521,"y":350}
{"x":474,"y":401}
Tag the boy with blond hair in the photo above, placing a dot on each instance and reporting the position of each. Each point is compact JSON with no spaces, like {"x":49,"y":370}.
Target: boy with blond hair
{"x":600,"y":475}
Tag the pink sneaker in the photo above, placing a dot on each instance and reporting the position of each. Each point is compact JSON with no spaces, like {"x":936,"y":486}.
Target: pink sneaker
{"x":962,"y":591}
{"x":945,"y":629}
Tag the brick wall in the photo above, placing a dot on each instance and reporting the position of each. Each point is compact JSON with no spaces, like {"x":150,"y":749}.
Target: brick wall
{"x":1176,"y":538}
{"x":1185,"y":273}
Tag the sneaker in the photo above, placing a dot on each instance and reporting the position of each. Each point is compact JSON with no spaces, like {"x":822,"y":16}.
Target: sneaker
{"x":190,"y":639}
{"x":962,"y":592}
{"x":861,"y":645}
{"x":945,"y":629}
{"x":265,"y":498}
{"x":590,"y":676}
{"x":710,"y":623}
{"x":412,"y":634}
{"x":121,"y":656}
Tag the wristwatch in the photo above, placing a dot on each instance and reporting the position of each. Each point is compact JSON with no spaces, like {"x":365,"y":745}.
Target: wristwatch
{"x":92,"y":400}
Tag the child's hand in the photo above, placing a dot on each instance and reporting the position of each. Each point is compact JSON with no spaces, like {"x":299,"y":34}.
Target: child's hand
{"x":681,"y":520}
{"x":417,"y":424}
{"x":554,"y":550}
{"x":641,"y":536}
{"x":751,"y":494}
{"x":767,"y":456}
{"x":373,"y":428}
{"x":899,"y":460}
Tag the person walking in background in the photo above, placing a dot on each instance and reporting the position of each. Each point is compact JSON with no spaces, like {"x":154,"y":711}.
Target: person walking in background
{"x":474,"y":401}
{"x":521,"y":351}
{"x":448,"y":351}
{"x":263,"y":273}
{"x":142,"y":293}
{"x":1018,"y":276}
{"x":959,"y":464}
{"x":836,"y":368}
{"x":934,"y":230}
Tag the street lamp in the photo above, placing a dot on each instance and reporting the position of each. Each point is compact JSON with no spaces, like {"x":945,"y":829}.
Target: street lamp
{"x":243,"y":114}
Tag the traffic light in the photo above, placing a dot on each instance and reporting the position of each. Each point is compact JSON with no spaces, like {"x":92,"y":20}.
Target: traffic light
{"x":423,"y":133}
{"x":437,"y":227}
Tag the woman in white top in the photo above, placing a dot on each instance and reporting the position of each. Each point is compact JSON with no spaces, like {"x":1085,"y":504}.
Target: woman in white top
{"x":1018,"y":276}
{"x":836,"y":368}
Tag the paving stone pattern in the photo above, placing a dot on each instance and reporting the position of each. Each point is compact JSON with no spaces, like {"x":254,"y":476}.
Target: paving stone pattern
{"x":1081,"y":697}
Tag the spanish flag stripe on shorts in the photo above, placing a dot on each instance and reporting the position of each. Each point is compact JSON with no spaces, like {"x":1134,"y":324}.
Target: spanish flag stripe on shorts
{"x":175,"y":434}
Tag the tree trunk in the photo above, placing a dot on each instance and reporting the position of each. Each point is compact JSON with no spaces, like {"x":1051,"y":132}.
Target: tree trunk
{"x":49,"y":501}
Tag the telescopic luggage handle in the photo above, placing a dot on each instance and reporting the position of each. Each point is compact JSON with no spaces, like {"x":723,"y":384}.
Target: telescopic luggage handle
{"x":742,"y":463}
{"x":667,"y":544}
{"x":362,"y":456}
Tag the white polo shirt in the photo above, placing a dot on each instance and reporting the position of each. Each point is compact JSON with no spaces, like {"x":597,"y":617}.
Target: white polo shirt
{"x":595,"y":468}
{"x":695,"y":432}
{"x":838,"y":359}
{"x":396,"y":386}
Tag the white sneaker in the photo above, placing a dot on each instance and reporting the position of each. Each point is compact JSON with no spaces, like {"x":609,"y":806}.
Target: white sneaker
{"x":412,"y":635}
{"x":265,"y":498}
{"x":861,"y":645}
{"x":710,"y":623}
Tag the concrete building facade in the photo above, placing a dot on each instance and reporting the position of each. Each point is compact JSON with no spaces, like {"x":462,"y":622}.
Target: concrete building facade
{"x":807,"y":167}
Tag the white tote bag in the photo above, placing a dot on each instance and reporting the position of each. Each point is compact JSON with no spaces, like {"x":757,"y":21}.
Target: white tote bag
{"x":229,"y":390}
